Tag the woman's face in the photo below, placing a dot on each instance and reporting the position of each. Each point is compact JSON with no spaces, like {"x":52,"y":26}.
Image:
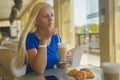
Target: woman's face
{"x":45,"y":18}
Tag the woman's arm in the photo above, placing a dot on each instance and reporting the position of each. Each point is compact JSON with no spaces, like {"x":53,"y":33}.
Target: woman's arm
{"x":38,"y":58}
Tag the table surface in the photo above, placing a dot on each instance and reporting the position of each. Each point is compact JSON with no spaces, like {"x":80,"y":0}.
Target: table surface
{"x":61,"y":74}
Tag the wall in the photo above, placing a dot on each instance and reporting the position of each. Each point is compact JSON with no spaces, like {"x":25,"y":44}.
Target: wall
{"x":117,"y":30}
{"x":106,"y":30}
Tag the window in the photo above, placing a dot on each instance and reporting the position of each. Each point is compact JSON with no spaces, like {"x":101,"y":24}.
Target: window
{"x":86,"y":23}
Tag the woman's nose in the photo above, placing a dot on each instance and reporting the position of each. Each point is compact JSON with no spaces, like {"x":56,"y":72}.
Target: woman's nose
{"x":50,"y":18}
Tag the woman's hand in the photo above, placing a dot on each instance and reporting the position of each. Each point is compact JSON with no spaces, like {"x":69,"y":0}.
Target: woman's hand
{"x":46,"y":33}
{"x":62,"y":65}
{"x":56,"y":31}
{"x":69,"y":56}
{"x":65,"y":64}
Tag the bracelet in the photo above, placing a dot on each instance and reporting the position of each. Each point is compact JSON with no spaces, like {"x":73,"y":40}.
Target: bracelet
{"x":40,"y":46}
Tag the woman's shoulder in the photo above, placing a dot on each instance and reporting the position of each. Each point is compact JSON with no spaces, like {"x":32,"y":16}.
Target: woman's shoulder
{"x":54,"y":37}
{"x":31,"y":35}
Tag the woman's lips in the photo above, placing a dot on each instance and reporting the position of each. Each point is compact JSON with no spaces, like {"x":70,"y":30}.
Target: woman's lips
{"x":50,"y":24}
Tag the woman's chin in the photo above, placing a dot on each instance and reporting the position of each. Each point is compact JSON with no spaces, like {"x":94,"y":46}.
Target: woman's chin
{"x":50,"y":25}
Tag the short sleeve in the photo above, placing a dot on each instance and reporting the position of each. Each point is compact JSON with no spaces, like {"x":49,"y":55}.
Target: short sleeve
{"x":30,"y":43}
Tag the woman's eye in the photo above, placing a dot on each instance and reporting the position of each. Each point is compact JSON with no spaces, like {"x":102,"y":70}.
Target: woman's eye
{"x":45,"y":16}
{"x":52,"y":15}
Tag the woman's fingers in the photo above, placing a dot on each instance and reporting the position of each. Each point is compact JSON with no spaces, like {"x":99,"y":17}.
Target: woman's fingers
{"x":69,"y":56}
{"x":56,"y":31}
{"x":50,"y":31}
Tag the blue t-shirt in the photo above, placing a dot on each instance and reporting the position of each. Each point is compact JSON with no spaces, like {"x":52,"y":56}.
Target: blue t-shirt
{"x":32,"y":41}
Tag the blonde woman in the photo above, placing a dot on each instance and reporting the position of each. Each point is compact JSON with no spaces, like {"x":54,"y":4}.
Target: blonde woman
{"x":40,"y":40}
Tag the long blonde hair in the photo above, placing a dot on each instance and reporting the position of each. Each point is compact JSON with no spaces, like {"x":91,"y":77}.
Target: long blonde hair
{"x":22,"y":55}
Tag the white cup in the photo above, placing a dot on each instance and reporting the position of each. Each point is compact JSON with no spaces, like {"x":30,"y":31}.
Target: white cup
{"x":111,"y":71}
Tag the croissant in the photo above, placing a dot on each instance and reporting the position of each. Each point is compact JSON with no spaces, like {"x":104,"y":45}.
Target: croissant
{"x":72,"y":72}
{"x":89,"y":74}
{"x":82,"y":74}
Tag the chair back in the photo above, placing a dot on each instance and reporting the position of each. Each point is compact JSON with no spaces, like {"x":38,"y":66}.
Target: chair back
{"x":10,"y":45}
{"x":77,"y":55}
{"x":7,"y":58}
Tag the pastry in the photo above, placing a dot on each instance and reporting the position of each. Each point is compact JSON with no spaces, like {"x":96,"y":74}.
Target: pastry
{"x":81,"y":74}
{"x":89,"y":74}
{"x":72,"y":72}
